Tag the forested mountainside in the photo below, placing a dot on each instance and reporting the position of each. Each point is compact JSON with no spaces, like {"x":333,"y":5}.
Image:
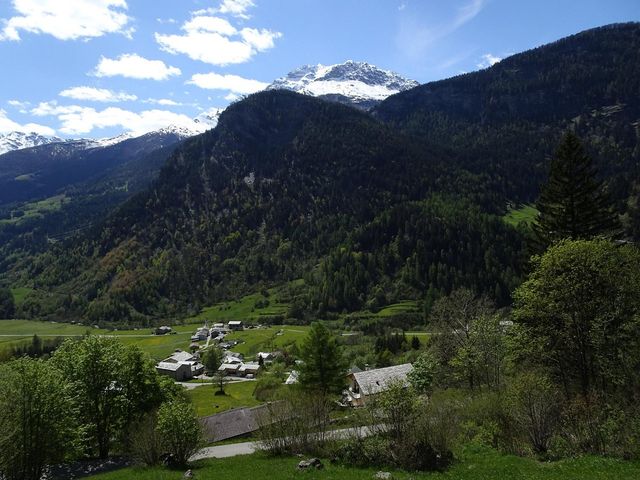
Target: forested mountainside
{"x":281,"y":181}
{"x":28,"y":228}
{"x":368,"y":209}
{"x":504,"y":121}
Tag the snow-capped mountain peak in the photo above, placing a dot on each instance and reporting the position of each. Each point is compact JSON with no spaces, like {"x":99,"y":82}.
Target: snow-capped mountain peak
{"x":357,"y":83}
{"x":18,"y":140}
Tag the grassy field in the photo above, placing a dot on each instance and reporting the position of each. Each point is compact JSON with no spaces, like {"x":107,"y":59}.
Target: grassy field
{"x":37,"y":209}
{"x":20,"y":293}
{"x":475,"y":463}
{"x":158,"y":347}
{"x":404,"y":306}
{"x":267,"y":339}
{"x":242,"y":309}
{"x":524,"y":214}
{"x":238,"y":394}
{"x":20,"y":331}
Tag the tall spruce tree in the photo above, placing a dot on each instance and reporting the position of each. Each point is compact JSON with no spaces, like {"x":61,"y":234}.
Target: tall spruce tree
{"x":573,"y":203}
{"x":323,"y":369}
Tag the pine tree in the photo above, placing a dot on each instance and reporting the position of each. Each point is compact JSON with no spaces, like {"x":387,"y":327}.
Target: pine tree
{"x":573,"y":203}
{"x":323,"y":369}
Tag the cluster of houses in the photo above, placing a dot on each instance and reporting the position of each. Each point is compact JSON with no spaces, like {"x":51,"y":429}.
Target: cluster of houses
{"x":183,"y":366}
{"x":234,"y":365}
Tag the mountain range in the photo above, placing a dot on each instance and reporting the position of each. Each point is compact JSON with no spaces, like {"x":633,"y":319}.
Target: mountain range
{"x":354,"y":83}
{"x":401,"y":201}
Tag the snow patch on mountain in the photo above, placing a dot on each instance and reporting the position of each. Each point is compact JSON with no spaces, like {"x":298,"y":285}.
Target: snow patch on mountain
{"x":357,"y":83}
{"x":18,"y":140}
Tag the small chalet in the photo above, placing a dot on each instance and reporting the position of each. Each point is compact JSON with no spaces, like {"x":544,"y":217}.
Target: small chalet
{"x":230,"y":368}
{"x":235,"y":325}
{"x":249,"y":369}
{"x":201,"y":334}
{"x":363,"y":385}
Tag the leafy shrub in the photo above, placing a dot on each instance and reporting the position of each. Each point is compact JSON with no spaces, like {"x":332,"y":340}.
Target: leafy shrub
{"x":180,"y":431}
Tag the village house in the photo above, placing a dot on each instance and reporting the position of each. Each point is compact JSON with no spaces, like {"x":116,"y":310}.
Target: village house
{"x":201,"y":334}
{"x":230,"y":368}
{"x":180,"y":371}
{"x":174,"y":365}
{"x":249,"y":369}
{"x":365,"y":384}
{"x":267,"y":357}
{"x":163,"y":330}
{"x":232,"y":357}
{"x":235,"y":325}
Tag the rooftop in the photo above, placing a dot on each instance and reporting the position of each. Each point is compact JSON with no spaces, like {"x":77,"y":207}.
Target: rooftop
{"x":375,"y":381}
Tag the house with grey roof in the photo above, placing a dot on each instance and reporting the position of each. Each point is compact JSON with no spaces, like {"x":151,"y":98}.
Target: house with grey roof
{"x":363,"y":385}
{"x":179,"y":371}
{"x":235,"y":423}
{"x":180,"y":356}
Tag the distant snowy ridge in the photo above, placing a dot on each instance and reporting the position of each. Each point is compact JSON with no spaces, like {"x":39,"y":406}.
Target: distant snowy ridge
{"x":17,"y":140}
{"x":357,"y":83}
{"x":20,"y":140}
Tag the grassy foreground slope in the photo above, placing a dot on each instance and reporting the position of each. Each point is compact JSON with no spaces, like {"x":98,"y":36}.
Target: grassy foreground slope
{"x":476,"y":463}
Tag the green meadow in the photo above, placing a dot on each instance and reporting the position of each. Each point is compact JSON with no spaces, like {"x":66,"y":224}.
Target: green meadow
{"x":238,"y":394}
{"x":524,"y":214}
{"x":474,"y":463}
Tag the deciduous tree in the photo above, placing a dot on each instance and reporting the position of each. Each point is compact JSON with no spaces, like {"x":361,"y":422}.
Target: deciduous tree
{"x":37,"y":418}
{"x":578,"y":315}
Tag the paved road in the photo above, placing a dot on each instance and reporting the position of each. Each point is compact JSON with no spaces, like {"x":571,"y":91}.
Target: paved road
{"x":229,"y":381}
{"x":247,"y":448}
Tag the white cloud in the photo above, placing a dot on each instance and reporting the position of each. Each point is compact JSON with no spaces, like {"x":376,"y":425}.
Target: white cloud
{"x":231,"y":97}
{"x":210,"y":24}
{"x":236,"y":8}
{"x":20,"y":105}
{"x":467,"y":12}
{"x":76,"y":120}
{"x":67,"y":19}
{"x":7,"y":125}
{"x":96,"y":94}
{"x":488,"y":60}
{"x":260,"y":40}
{"x":132,"y":65}
{"x":215,"y":41}
{"x":233,"y":83}
{"x":167,"y":102}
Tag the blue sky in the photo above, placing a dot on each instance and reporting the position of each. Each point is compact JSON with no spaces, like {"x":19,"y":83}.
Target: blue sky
{"x":95,"y":68}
